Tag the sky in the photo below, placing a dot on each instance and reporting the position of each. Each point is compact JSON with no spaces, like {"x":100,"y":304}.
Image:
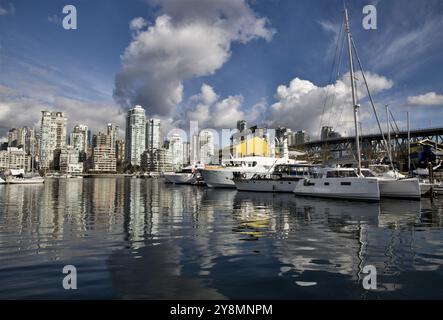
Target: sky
{"x":271,"y":62}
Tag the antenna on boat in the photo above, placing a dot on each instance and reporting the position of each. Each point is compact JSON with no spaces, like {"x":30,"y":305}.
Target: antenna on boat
{"x":354,"y":92}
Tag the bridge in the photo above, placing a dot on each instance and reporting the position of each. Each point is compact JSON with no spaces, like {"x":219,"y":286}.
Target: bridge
{"x":371,"y":143}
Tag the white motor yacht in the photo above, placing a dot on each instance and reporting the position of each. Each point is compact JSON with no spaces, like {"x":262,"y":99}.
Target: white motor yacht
{"x":222,"y":176}
{"x":283,"y":178}
{"x":188,"y":175}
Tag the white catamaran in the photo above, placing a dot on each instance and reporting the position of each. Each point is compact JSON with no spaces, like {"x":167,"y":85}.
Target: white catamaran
{"x":345,"y":183}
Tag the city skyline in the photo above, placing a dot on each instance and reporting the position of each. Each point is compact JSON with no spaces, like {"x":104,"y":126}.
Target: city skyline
{"x":263,"y":69}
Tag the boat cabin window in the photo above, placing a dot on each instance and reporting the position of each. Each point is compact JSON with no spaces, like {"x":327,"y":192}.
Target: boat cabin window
{"x":341,"y":174}
{"x":367,"y":173}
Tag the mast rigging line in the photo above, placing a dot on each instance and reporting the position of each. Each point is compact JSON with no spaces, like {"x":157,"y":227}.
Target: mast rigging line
{"x":372,"y":101}
{"x":335,"y":66}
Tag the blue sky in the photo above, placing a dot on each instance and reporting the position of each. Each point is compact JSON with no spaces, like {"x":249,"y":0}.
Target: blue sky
{"x":44,"y":66}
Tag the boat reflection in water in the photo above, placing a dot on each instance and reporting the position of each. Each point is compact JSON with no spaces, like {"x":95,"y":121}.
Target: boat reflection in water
{"x":141,"y":238}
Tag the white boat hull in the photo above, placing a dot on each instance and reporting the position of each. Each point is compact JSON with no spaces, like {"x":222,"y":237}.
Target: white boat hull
{"x":265,"y":185}
{"x":218,"y":178}
{"x":26,"y":181}
{"x":399,"y":188}
{"x":180,"y":178}
{"x":341,"y":188}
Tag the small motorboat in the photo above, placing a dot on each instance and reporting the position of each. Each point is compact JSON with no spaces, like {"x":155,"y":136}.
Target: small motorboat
{"x":18,"y":176}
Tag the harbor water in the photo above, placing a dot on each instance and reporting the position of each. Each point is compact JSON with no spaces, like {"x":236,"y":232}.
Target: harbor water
{"x":144,"y":239}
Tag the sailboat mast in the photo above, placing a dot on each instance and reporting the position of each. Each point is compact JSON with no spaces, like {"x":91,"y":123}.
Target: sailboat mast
{"x":354,"y":94}
{"x":409,"y":143}
{"x":388,"y":132}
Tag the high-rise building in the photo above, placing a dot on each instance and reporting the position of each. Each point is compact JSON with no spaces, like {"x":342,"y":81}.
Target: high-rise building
{"x":120,"y":151}
{"x":328,"y":133}
{"x":52,"y":137}
{"x":103,"y":154}
{"x":176,"y":151}
{"x":31,"y":142}
{"x":13,"y":138}
{"x":79,"y":140}
{"x":194,"y":149}
{"x":206,"y":146}
{"x":186,"y":153}
{"x":298,"y":138}
{"x":154,"y":139}
{"x":135,"y":135}
{"x":21,"y":137}
{"x":112,"y":131}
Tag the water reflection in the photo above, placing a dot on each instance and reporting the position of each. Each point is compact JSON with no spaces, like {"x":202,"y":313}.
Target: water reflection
{"x":140,"y":238}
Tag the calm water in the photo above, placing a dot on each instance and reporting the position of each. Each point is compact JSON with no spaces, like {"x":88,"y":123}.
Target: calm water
{"x":136,"y":238}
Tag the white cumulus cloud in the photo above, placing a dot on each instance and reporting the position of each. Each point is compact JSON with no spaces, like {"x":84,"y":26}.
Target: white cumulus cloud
{"x":188,"y":39}
{"x":427,"y":99}
{"x":211,"y":111}
{"x":300,"y":104}
{"x":137,"y":24}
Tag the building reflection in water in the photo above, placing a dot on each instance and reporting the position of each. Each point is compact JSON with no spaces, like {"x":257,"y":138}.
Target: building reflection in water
{"x":147,"y":239}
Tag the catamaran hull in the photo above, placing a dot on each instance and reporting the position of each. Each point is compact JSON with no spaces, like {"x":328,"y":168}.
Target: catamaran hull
{"x":399,"y":188}
{"x":340,"y":188}
{"x":265,"y":185}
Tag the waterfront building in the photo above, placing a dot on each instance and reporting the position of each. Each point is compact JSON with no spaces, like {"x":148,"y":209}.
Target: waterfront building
{"x":135,"y":135}
{"x":22,"y":138}
{"x":31,"y":142}
{"x":176,"y":151}
{"x":103,"y":154}
{"x":186,"y":153}
{"x":157,"y":160}
{"x":206,"y":146}
{"x":14,"y":158}
{"x":79,"y":140}
{"x":154,"y":139}
{"x":120,"y":151}
{"x":194,"y":156}
{"x":52,"y":137}
{"x":69,"y":160}
{"x":112,"y":131}
{"x":253,"y":141}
